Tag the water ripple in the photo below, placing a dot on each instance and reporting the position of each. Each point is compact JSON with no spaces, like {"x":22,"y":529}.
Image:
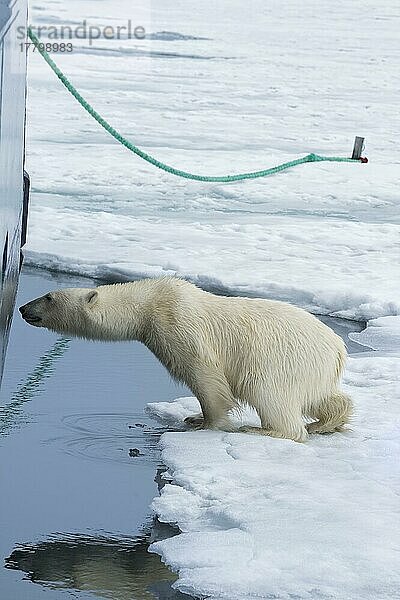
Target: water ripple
{"x":126,"y":438}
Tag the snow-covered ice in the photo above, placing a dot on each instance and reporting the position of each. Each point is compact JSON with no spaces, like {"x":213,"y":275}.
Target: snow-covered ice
{"x":266,"y":518}
{"x":219,"y":88}
{"x":225,"y":87}
{"x":380,"y":334}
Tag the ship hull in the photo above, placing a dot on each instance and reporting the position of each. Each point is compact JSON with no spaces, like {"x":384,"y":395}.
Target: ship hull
{"x":13,"y":209}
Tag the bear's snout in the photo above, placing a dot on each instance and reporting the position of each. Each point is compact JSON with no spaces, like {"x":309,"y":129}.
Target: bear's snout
{"x":28,"y":314}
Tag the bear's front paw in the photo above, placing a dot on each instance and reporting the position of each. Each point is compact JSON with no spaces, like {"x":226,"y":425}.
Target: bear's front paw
{"x":197,"y":421}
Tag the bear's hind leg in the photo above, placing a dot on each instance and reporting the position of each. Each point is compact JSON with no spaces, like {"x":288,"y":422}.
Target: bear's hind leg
{"x":285,"y":423}
{"x":332,"y":414}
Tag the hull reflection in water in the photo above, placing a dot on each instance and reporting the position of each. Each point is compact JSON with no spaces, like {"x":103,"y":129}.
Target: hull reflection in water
{"x":119,"y":568}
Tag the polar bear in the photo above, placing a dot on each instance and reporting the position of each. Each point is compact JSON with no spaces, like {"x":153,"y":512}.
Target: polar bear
{"x":229,"y":351}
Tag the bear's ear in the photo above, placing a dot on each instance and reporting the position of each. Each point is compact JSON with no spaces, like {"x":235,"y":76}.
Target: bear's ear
{"x":91,"y":297}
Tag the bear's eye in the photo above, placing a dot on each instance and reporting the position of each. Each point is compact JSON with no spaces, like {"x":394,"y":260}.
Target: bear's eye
{"x":48,"y":297}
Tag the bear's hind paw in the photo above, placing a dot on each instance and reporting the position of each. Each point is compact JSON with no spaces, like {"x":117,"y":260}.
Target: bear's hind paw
{"x":300,"y":437}
{"x":196,"y":421}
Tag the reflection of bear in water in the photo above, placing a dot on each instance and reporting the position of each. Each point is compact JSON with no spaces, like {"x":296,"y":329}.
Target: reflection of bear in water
{"x":273,"y":356}
{"x":110,"y":567}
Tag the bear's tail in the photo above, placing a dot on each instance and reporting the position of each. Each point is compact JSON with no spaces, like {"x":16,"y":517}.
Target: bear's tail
{"x":333,"y":414}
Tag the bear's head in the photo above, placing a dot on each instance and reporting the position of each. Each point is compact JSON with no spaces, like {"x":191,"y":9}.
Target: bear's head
{"x":116,"y":312}
{"x":68,"y":311}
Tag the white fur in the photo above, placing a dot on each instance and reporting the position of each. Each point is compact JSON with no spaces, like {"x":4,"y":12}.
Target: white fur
{"x":276,"y":357}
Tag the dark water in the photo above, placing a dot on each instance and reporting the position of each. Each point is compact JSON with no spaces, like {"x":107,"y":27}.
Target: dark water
{"x":80,"y":464}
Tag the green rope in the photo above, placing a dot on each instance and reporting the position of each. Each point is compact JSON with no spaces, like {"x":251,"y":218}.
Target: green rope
{"x":224,"y":178}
